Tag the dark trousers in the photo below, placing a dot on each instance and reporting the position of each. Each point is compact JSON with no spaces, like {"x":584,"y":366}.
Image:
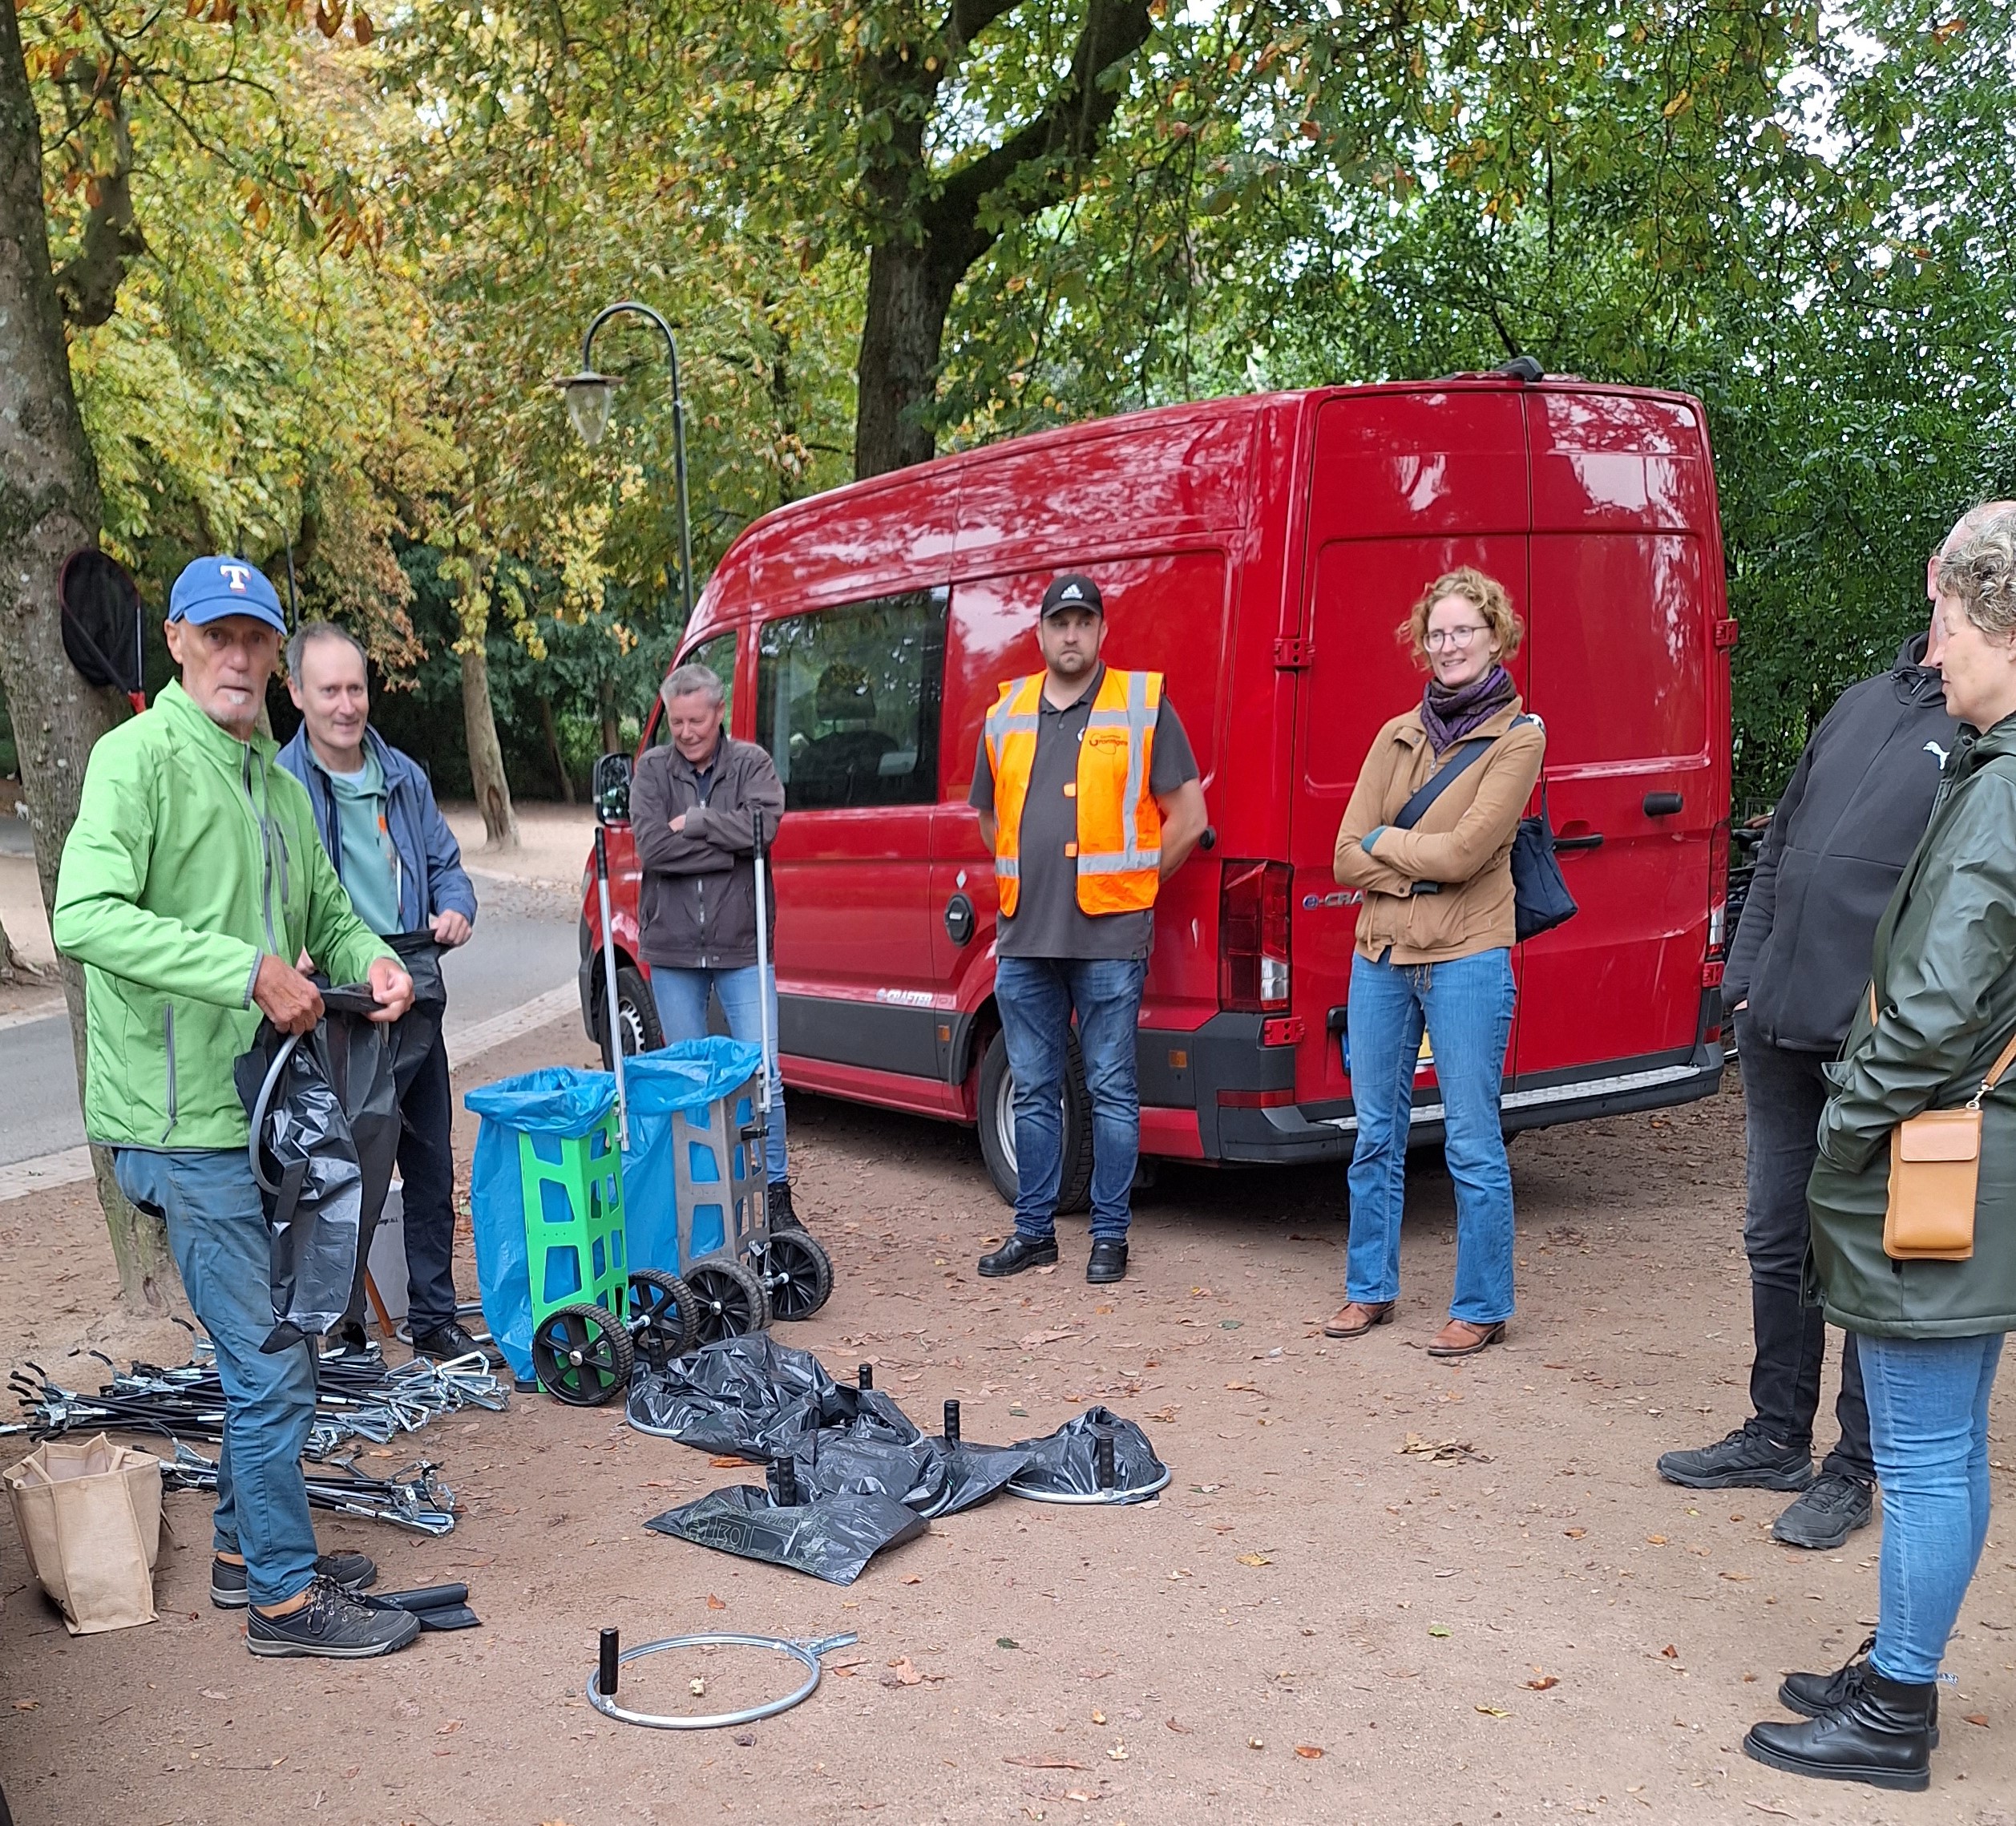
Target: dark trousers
{"x":1783,"y":1094}
{"x":427,"y":1164}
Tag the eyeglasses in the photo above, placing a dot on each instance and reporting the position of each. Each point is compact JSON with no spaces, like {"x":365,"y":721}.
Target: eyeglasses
{"x":1437,"y":638}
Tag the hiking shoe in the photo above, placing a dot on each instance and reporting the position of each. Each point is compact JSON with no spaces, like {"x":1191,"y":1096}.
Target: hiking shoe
{"x":778,"y":1214}
{"x":1747,"y":1459}
{"x":332,"y":1624}
{"x":1881,"y":1737}
{"x":352,"y":1571}
{"x":445,"y":1343}
{"x":1828,"y":1512}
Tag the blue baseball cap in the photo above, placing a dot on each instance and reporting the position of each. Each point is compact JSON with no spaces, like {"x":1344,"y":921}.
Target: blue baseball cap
{"x":211,"y":588}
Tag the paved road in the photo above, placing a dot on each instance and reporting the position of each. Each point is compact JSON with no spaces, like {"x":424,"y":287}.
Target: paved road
{"x":524,"y":945}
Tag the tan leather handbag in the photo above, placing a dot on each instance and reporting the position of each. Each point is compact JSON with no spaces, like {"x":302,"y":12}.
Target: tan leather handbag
{"x":1935,"y":1166}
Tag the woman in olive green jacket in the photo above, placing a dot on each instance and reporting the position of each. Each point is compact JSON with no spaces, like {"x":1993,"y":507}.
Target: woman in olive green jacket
{"x":1930,"y":1332}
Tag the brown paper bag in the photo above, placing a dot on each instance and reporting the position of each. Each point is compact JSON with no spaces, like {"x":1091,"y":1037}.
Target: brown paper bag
{"x":90,"y":1518}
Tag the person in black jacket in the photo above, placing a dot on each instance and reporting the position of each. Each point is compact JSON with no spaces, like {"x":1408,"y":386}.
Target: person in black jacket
{"x":1853,"y":812}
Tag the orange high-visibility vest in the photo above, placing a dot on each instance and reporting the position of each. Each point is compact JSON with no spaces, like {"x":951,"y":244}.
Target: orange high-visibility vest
{"x":1119,"y":848}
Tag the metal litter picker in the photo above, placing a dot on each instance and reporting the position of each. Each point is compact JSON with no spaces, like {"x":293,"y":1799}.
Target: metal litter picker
{"x":793,"y":1266}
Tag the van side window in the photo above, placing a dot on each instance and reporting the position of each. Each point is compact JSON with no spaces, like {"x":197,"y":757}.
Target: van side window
{"x":718,"y":656}
{"x":847,"y":702}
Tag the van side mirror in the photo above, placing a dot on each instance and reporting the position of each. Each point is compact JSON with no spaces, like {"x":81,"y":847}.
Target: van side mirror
{"x":610,"y":789}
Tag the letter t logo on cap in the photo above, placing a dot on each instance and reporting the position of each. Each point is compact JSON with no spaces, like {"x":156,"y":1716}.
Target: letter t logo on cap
{"x":235,"y":574}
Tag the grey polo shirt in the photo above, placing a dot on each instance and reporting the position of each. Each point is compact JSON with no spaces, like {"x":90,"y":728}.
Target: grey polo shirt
{"x":1048,"y":921}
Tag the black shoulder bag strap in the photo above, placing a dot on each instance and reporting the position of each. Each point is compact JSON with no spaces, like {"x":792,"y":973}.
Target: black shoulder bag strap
{"x":1439,"y":782}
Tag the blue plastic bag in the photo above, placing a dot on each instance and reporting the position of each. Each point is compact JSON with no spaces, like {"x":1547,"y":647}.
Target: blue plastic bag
{"x":556,"y":1099}
{"x":687,"y":1076}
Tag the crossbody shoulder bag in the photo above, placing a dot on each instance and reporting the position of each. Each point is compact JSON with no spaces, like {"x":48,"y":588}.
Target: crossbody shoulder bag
{"x":1541,"y":900}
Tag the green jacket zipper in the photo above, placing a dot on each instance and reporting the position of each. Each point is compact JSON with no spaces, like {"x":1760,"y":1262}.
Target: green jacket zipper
{"x":167,"y":1036}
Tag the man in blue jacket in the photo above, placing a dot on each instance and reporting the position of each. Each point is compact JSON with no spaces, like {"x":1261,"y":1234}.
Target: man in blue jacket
{"x":1849,"y":818}
{"x":394,"y":851}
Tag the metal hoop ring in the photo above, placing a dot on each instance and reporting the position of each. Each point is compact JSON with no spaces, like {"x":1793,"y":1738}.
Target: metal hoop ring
{"x":806,"y":1654}
{"x":1106,"y":1498}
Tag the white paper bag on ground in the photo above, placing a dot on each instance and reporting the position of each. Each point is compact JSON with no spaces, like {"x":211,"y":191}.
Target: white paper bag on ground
{"x":90,"y":1518}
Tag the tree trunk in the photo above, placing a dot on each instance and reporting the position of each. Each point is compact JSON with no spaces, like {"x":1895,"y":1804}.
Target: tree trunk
{"x":553,"y":747}
{"x":909,"y":291}
{"x":611,"y":724}
{"x":49,"y":507}
{"x":11,"y":961}
{"x":486,"y":754}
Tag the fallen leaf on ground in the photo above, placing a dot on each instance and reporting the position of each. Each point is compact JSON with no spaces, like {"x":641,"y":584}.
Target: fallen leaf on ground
{"x":1544,"y":1683}
{"x":1494,"y":1711}
{"x":727,"y":1463}
{"x":1656,"y":1540}
{"x":1441,"y":1451}
{"x":1181,"y":1730}
{"x":1738,"y":1578}
{"x":33,"y":1705}
{"x":911,"y":1578}
{"x":1230,"y":1324}
{"x":1254,"y":1743}
{"x":902,"y":1674}
{"x":1670,"y":1652}
{"x":1980,"y":1719}
{"x":697,"y":1688}
{"x":1098,"y":1718}
{"x":1006,"y":1642}
{"x":1574,"y":1533}
{"x":1118,"y":1753}
{"x":746,"y":1739}
{"x":449,"y":1728}
{"x":1254,"y":1560}
{"x":1307,"y":1751}
{"x":1438,"y":1629}
{"x":714,"y":1603}
{"x":1042,"y":1763}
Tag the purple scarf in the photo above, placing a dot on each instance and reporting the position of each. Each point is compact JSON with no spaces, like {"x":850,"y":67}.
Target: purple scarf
{"x":1449,"y":715}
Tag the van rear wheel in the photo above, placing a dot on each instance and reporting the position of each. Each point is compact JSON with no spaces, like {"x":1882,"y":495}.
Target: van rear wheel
{"x":636,"y":1016}
{"x":997,"y":1126}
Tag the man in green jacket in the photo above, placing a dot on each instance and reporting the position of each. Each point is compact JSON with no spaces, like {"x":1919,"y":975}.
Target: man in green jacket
{"x":191,"y":878}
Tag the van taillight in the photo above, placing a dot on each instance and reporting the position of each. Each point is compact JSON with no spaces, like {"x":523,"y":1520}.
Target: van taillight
{"x":1253,"y":937}
{"x":1718,"y":888}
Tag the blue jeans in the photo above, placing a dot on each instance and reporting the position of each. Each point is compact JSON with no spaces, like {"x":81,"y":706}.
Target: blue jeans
{"x":1467,"y":1006}
{"x":682,"y":1012}
{"x":217,"y":1234}
{"x":1929,"y":1425}
{"x":1036,"y":996}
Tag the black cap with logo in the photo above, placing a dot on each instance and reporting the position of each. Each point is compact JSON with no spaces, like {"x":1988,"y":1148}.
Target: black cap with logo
{"x":1073,"y":591}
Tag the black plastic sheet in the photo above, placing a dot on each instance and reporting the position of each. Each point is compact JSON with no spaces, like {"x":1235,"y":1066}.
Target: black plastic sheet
{"x":1065,"y":1463}
{"x":757,"y":1398}
{"x":925,"y":1474}
{"x":831,"y":1537}
{"x":327,"y":1141}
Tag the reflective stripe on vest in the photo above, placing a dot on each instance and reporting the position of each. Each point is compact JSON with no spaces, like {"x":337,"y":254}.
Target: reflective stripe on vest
{"x":1119,"y":848}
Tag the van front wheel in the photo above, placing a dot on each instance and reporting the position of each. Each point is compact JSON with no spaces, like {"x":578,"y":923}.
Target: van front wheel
{"x":997,"y":1126}
{"x":637,"y":1015}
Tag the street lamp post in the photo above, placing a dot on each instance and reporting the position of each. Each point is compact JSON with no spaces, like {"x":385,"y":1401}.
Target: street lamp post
{"x":587,"y":395}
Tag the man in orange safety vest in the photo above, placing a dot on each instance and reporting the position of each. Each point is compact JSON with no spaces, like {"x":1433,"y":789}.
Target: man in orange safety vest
{"x":1089,"y":796}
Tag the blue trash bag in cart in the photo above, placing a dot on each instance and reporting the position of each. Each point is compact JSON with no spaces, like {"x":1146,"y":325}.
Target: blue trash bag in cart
{"x":556,"y":1099}
{"x":688,"y":1078}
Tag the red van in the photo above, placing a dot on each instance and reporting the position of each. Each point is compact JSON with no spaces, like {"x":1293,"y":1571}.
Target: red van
{"x":1259,"y":552}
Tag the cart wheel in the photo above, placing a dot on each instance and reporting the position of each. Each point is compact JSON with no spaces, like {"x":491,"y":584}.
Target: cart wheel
{"x":582,"y":1355}
{"x":729,"y":1300}
{"x":662,"y":1314}
{"x":795,"y":1271}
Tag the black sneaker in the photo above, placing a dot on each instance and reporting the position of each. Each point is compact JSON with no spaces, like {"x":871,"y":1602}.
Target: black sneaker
{"x":331,"y":1624}
{"x":1747,"y":1459}
{"x":1828,"y":1512}
{"x":447,"y":1341}
{"x":1019,"y":1252}
{"x":778,"y":1214}
{"x":352,"y":1571}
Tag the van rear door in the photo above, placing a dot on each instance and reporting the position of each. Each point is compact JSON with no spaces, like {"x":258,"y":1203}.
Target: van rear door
{"x":1405,"y":487}
{"x":1625,"y":671}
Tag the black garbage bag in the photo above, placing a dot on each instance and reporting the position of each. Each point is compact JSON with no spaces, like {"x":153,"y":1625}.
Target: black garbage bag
{"x":1066,"y":1463}
{"x":831,"y":1537}
{"x":926,"y":1475}
{"x":415,"y":1034}
{"x":727,"y":1396}
{"x":325,"y":1131}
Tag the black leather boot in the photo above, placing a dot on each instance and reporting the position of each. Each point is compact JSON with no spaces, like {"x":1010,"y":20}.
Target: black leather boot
{"x":1882,"y":1737}
{"x":1019,"y":1252}
{"x":1815,"y":1696}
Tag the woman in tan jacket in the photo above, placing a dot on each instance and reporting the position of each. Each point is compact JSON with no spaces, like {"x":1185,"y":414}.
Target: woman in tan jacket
{"x":1434,"y":951}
